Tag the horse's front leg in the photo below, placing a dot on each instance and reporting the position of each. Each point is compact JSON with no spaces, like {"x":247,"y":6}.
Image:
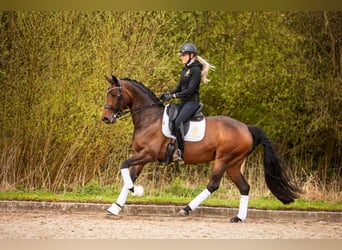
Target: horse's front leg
{"x":129,"y":177}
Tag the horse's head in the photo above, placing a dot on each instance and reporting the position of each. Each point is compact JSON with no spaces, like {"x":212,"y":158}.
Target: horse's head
{"x":115,"y":101}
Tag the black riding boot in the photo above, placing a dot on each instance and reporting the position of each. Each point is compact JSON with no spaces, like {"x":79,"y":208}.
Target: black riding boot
{"x":179,"y":153}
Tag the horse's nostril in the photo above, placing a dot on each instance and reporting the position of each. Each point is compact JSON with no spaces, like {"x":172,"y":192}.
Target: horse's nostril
{"x":105,"y":119}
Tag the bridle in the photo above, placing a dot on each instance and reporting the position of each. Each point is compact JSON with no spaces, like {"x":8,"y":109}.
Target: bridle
{"x":116,"y":110}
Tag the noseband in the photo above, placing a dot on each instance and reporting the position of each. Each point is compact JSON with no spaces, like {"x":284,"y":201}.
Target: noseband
{"x":116,"y":110}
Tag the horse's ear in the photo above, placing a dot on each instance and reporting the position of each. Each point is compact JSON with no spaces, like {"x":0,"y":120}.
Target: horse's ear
{"x":108,"y":79}
{"x":115,"y":80}
{"x":112,"y":80}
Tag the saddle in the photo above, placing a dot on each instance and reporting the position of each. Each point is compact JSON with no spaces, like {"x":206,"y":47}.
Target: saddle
{"x":194,"y":128}
{"x":172,"y":111}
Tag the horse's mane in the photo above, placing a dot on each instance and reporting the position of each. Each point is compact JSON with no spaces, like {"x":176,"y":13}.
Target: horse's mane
{"x":143,"y":88}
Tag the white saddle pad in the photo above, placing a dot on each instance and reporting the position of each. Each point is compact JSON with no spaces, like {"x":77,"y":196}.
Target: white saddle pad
{"x":195,"y":133}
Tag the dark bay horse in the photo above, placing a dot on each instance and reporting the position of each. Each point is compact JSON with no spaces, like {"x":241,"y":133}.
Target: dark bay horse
{"x":227,"y":142}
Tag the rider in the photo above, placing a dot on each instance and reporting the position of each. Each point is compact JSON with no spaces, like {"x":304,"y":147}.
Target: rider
{"x":195,"y":69}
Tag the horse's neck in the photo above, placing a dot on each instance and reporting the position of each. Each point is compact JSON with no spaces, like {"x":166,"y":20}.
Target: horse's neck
{"x":144,"y":109}
{"x":147,"y":117}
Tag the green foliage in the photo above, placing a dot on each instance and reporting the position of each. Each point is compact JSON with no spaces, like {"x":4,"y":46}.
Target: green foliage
{"x":107,"y":195}
{"x":279,"y":71}
{"x":177,"y":188}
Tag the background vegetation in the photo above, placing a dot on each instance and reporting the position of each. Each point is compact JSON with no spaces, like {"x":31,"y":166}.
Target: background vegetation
{"x":280,"y":71}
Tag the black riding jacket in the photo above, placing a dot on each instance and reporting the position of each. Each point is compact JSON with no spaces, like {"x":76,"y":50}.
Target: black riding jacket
{"x":189,"y":84}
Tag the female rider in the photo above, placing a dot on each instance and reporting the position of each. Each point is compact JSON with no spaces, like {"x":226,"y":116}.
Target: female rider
{"x":195,"y":69}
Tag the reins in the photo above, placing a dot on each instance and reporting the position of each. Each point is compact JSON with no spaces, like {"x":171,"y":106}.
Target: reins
{"x":143,"y":108}
{"x":124,"y":113}
{"x":121,"y":113}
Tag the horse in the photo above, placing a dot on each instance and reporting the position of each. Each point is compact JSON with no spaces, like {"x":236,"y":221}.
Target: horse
{"x":227,"y":142}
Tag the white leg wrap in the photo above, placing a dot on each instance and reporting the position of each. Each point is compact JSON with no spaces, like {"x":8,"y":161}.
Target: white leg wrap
{"x":114,"y":209}
{"x":199,"y":198}
{"x":243,"y":207}
{"x":123,"y":196}
{"x":138,"y":191}
{"x":128,"y":183}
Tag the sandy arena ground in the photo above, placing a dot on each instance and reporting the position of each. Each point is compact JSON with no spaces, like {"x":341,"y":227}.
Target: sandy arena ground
{"x":98,"y":225}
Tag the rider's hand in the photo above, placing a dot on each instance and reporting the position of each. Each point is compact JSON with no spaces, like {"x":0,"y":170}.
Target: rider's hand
{"x":165,"y":97}
{"x":162,"y":96}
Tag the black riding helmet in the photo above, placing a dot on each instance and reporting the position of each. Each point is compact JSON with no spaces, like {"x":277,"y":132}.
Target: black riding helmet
{"x":188,"y":48}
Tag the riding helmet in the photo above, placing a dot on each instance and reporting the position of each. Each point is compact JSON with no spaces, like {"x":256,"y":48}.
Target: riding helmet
{"x":188,"y":48}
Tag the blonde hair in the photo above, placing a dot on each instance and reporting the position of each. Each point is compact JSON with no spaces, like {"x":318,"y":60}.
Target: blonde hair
{"x":206,"y":66}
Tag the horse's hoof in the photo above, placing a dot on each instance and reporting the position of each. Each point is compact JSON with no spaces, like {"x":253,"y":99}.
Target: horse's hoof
{"x":183,"y":213}
{"x":235,"y":219}
{"x":114,"y":209}
{"x":138,"y":191}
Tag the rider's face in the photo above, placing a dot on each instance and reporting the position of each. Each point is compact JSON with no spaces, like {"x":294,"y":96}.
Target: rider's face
{"x":185,"y":58}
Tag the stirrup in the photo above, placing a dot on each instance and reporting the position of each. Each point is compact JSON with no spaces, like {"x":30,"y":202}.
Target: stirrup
{"x":177,"y":156}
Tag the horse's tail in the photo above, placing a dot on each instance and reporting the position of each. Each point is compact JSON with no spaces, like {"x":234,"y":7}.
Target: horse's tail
{"x":275,"y":176}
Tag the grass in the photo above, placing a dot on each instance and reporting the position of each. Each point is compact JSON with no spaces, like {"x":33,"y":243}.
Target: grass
{"x":175,"y":195}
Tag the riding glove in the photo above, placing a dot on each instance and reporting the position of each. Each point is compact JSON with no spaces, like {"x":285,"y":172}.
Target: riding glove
{"x":165,"y":97}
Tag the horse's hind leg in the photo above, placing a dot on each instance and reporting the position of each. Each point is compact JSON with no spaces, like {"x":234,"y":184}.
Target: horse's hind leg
{"x":238,"y":179}
{"x":214,"y":183}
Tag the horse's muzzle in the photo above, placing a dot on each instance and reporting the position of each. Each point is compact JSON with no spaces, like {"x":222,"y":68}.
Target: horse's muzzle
{"x":108,"y":120}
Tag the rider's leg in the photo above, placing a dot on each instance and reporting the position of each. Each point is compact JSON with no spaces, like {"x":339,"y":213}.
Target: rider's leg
{"x":180,"y":143}
{"x":184,"y":114}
